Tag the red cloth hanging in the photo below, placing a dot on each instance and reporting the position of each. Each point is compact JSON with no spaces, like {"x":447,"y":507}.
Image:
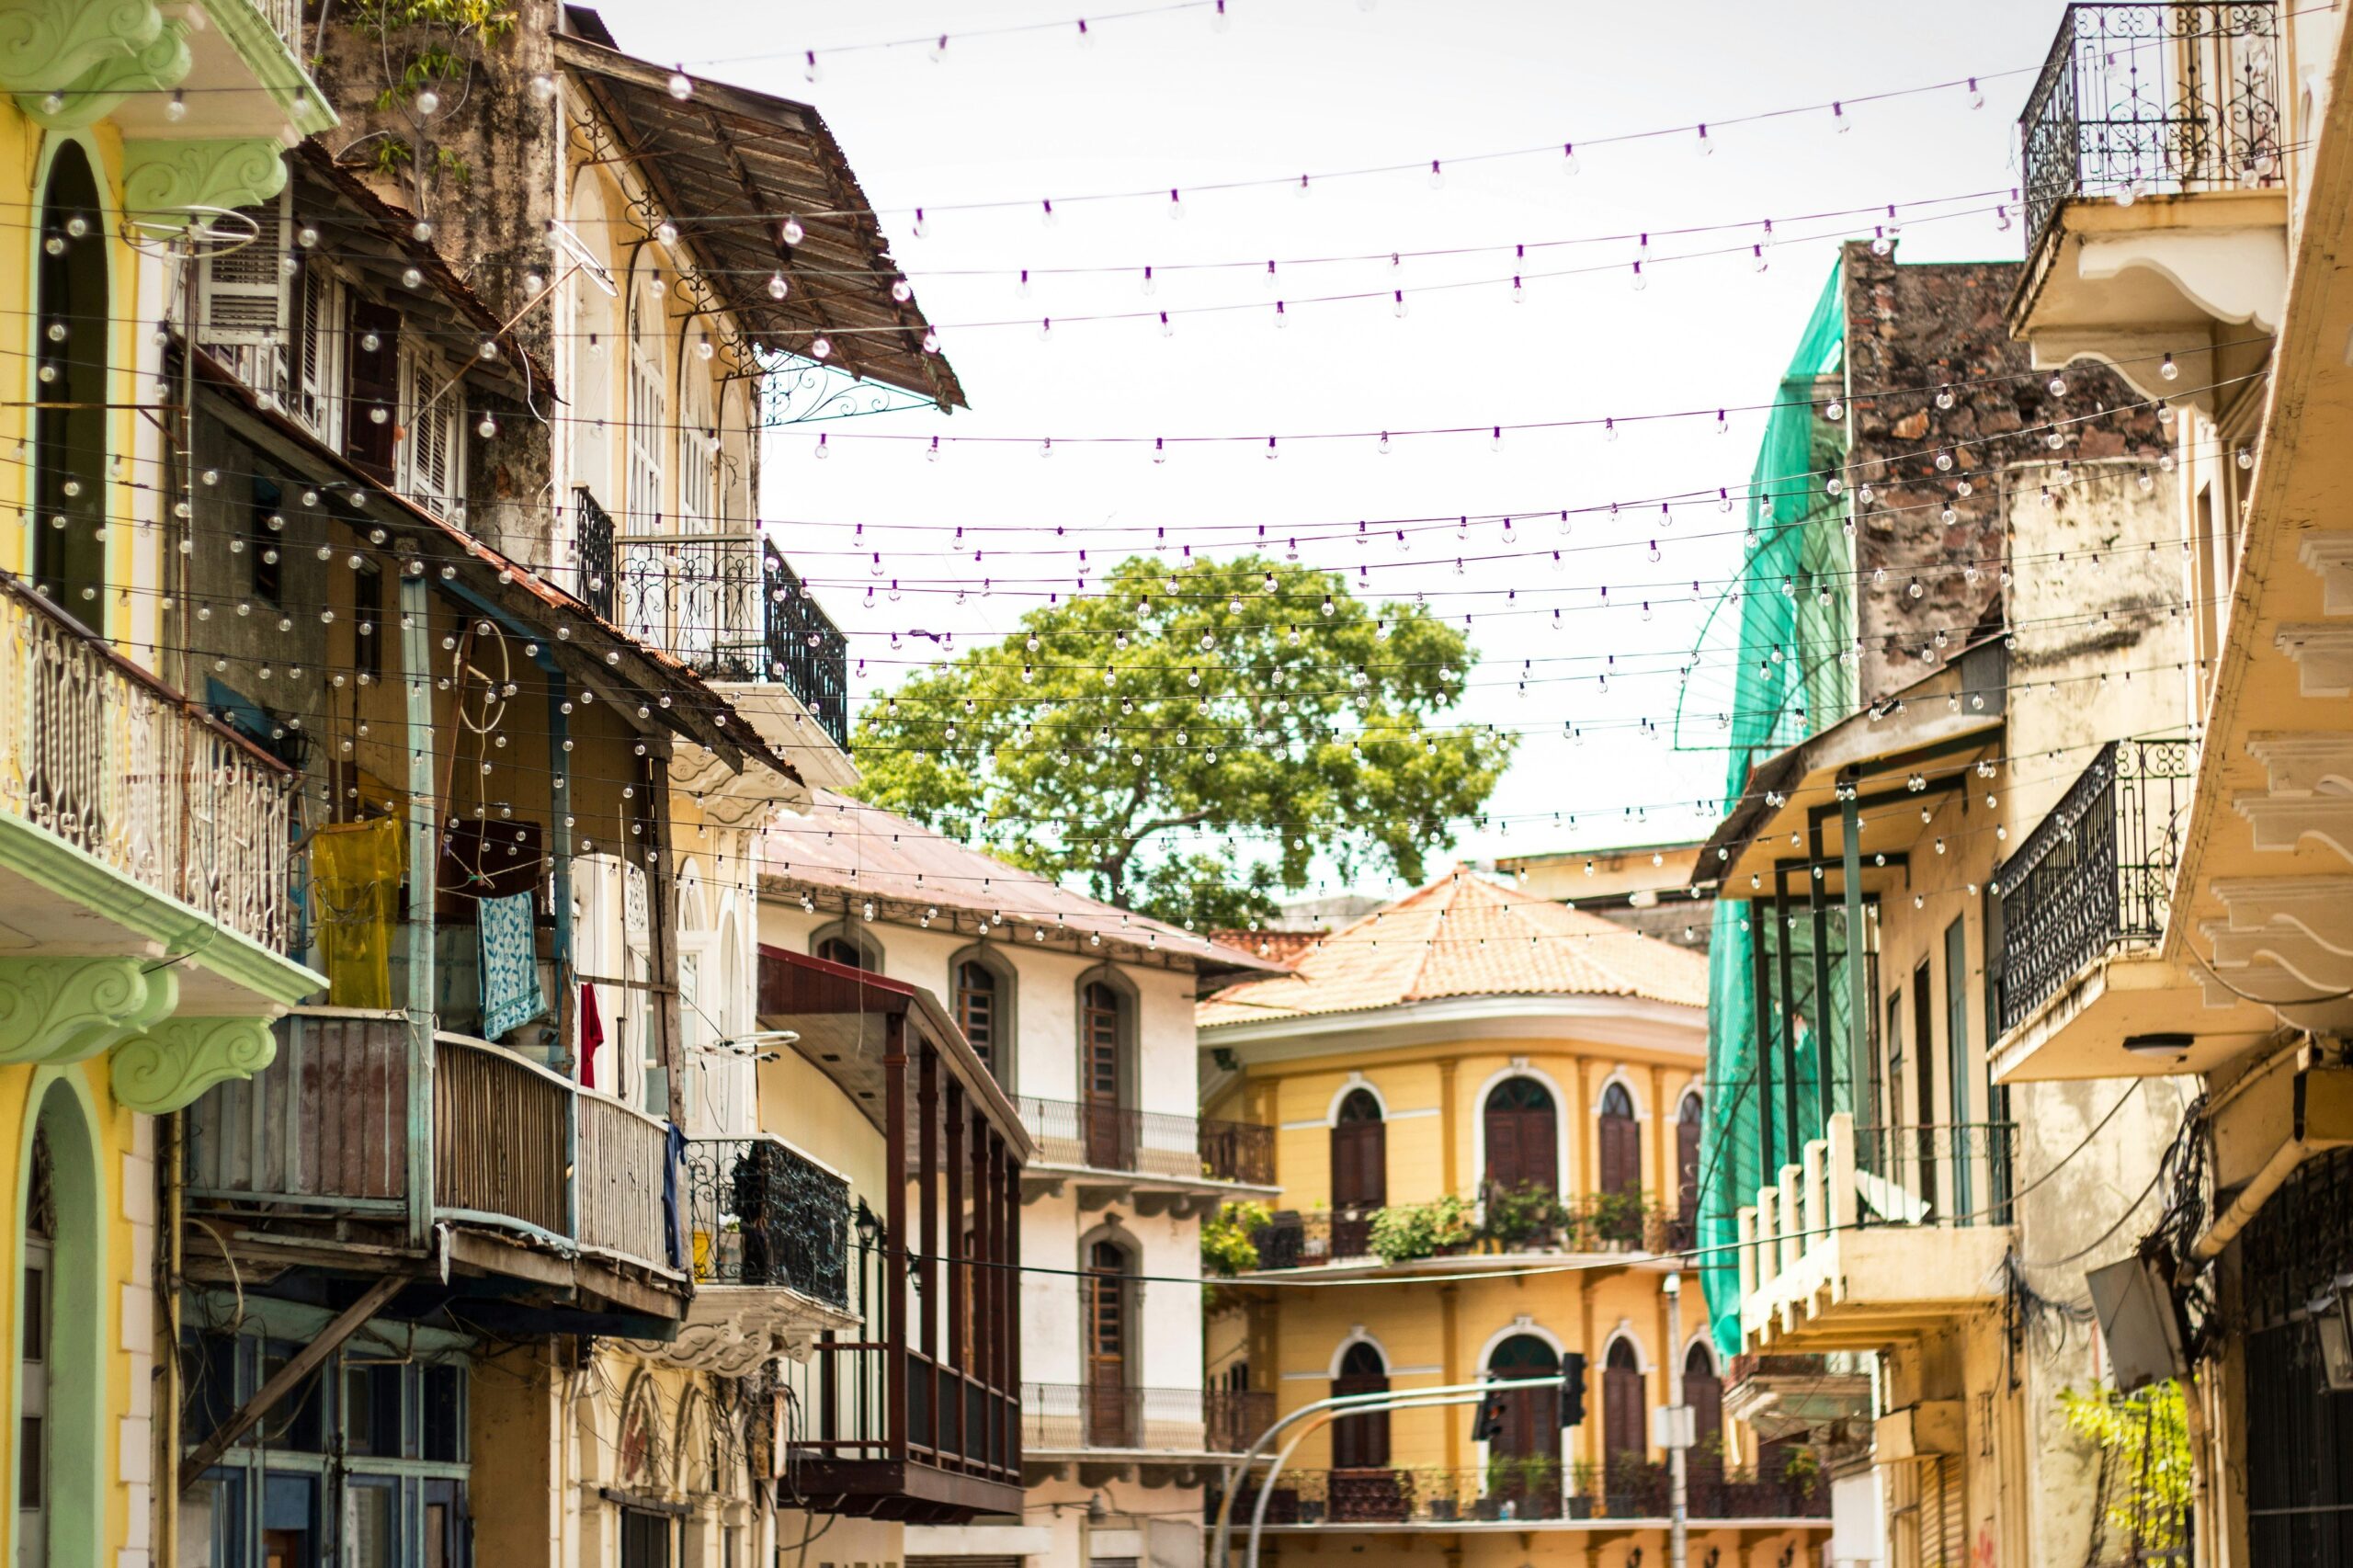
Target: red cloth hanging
{"x":592,"y":1035}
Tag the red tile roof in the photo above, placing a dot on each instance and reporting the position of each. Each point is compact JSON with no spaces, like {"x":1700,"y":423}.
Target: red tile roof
{"x":1466,"y":935}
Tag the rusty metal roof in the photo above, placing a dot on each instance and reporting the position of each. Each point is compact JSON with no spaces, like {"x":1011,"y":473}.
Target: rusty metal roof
{"x":729,"y":166}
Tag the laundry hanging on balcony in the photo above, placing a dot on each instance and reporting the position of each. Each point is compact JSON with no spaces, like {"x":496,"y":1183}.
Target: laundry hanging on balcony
{"x":356,"y":873}
{"x":510,"y":965}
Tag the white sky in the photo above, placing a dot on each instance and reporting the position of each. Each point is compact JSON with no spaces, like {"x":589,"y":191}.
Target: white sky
{"x":1307,"y":86}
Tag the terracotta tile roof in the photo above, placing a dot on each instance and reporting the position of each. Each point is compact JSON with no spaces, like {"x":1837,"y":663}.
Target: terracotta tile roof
{"x":1466,"y":935}
{"x":844,"y":846}
{"x":1285,"y":947}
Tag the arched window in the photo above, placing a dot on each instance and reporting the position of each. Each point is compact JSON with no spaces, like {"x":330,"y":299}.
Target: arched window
{"x":1361,"y":1442}
{"x":1523,"y":1426}
{"x":1704,"y":1393}
{"x":1102,"y":1036}
{"x":848,"y":942}
{"x":1623,"y":1413}
{"x":1620,"y":1143}
{"x":55,"y":1469}
{"x":1523,"y":1136}
{"x":1360,"y":1153}
{"x":837,"y":949}
{"x":70,"y":425}
{"x":1686,"y":1161}
{"x":1110,"y":1348}
{"x":977,"y":1011}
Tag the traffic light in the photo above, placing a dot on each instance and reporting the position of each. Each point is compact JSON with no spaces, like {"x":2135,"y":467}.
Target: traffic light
{"x":1488,"y":1426}
{"x":1573,"y":1389}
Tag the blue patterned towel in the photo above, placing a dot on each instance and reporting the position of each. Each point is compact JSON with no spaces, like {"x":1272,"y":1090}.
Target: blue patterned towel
{"x":510,"y":965}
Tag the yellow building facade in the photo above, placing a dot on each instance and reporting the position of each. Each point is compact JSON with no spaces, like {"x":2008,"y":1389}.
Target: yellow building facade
{"x":1486,"y":1110}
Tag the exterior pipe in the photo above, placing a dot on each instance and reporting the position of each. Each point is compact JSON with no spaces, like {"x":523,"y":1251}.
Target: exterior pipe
{"x":2265,"y":1182}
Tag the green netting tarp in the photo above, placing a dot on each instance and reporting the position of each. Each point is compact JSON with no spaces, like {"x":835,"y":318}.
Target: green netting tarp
{"x":1795,"y":619}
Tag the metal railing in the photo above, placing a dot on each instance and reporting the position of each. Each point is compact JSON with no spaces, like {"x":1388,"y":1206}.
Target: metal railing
{"x":2094,"y":876}
{"x":1070,"y":1416}
{"x":1536,"y":1489}
{"x":696,"y":597}
{"x":592,"y":550}
{"x":1945,"y":1173}
{"x":98,"y":752}
{"x":1525,"y":1221}
{"x":2138,"y":100}
{"x":326,"y":1125}
{"x":1294,"y":1240}
{"x":803,"y":648}
{"x":760,"y":1212}
{"x":1149,"y":1142}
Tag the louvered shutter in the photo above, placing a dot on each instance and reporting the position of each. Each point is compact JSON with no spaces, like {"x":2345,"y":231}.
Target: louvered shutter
{"x":1621,"y":1154}
{"x":313,"y":374}
{"x":1503,"y":1150}
{"x":372,"y":385}
{"x":1623,"y":1415}
{"x":435,"y":440}
{"x":243,"y":294}
{"x":1686,"y":1164}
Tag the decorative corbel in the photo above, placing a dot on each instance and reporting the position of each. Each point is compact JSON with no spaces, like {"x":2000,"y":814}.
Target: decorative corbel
{"x":98,"y":92}
{"x":46,"y":45}
{"x":71,"y":1009}
{"x":165,"y":1068}
{"x":184,"y":177}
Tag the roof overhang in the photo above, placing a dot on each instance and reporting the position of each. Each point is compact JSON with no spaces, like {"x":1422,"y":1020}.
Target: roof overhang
{"x":1637,"y":1022}
{"x":727,"y":166}
{"x":1894,"y":758}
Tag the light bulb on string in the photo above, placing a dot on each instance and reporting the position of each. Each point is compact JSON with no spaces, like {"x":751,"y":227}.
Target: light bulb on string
{"x":1944,"y":397}
{"x":1175,"y":204}
{"x":1397,"y":306}
{"x":1518,"y":289}
{"x":1839,"y":119}
{"x":1641,"y":282}
{"x":1281,"y":320}
{"x":2167,"y":368}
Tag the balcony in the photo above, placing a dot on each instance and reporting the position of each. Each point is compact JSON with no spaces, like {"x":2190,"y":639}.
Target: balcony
{"x":914,"y":1412}
{"x":2080,"y":986}
{"x":730,"y":606}
{"x":1162,"y":1160}
{"x":1516,"y":1494}
{"x":767,"y":1233}
{"x":2156,"y":192}
{"x":351,"y":1151}
{"x":1879,"y":1236}
{"x":1455,"y":1236}
{"x":133,"y":828}
{"x":1185,"y":1426}
{"x":595,"y":572}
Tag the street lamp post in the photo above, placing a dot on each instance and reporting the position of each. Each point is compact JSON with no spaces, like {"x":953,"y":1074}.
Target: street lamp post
{"x":1678,"y":1429}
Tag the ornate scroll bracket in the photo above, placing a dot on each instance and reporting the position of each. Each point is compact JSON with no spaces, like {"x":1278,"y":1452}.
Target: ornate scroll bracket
{"x":96,"y":93}
{"x":48,"y":45}
{"x":71,"y":1009}
{"x":169,"y":1065}
{"x":182,"y":176}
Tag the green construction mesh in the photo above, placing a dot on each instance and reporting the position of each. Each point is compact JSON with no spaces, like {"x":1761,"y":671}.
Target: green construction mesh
{"x":1790,"y":678}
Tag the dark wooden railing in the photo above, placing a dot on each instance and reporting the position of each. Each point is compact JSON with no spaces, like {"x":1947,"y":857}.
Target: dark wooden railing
{"x":1149,"y":1142}
{"x":1069,"y":1416}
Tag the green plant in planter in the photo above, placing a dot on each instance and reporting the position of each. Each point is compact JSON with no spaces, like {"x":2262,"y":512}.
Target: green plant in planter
{"x":1520,"y":1216}
{"x":1401,"y":1232}
{"x":1454,"y":1224}
{"x":1616,"y":1216}
{"x":1803,"y":1473}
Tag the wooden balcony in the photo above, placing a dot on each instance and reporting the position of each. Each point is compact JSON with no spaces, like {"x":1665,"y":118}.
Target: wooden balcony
{"x":1162,"y":1162}
{"x":915,"y":1414}
{"x":513,"y":1175}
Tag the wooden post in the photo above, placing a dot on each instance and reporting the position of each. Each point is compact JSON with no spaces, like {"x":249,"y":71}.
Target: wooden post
{"x":959,"y":1264}
{"x":1821,"y":1056}
{"x":654,"y":788}
{"x":1781,"y":1015}
{"x":1761,"y":986}
{"x":894,"y":1219}
{"x":1008,"y":1182}
{"x":559,"y":840}
{"x":424,"y":857}
{"x":1862,"y":1006}
{"x":927,"y":1194}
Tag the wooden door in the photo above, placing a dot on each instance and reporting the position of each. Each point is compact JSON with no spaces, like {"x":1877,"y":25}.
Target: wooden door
{"x":1687,"y":1166}
{"x":1924,"y":1060}
{"x":1524,"y":1457}
{"x":1100,"y":1028}
{"x":1360,"y":1442}
{"x":1622,"y":1143}
{"x":371,"y":409}
{"x":1624,"y":1416}
{"x":1360,"y":1153}
{"x":1523,"y":1132}
{"x":1109,"y":1310}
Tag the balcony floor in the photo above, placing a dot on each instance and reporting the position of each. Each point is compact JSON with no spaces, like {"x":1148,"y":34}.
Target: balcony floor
{"x":2080,"y":1032}
{"x":1867,"y":1289}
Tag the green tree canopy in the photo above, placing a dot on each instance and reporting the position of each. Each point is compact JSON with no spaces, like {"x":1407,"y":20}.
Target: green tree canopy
{"x":1252,"y":700}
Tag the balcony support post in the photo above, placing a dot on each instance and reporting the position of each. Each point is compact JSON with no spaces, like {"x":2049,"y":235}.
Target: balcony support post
{"x":1008,"y":1380}
{"x":424,"y":856}
{"x":927,"y":1194}
{"x":959,"y":1264}
{"x":1822,"y":1045}
{"x":893,"y":1275}
{"x":1761,"y":1075}
{"x":560,"y":890}
{"x":1784,"y":1016}
{"x":653,"y":811}
{"x":1860,"y":1003}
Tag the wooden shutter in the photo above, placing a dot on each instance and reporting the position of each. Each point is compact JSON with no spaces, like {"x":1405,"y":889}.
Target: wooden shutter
{"x":1621,"y":1154}
{"x":1686,"y":1166}
{"x":371,"y":384}
{"x":1622,"y":1413}
{"x":243,"y":294}
{"x":1503,"y":1148}
{"x":312,"y":369}
{"x":436,"y":439}
{"x":1359,"y":1166}
{"x":1540,"y":1155}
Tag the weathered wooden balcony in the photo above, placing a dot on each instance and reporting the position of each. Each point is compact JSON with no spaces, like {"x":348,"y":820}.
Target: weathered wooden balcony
{"x":1162,"y":1160}
{"x":355,"y":1149}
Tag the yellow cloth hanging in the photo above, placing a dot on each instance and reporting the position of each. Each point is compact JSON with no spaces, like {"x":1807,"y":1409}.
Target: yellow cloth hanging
{"x":355,"y":870}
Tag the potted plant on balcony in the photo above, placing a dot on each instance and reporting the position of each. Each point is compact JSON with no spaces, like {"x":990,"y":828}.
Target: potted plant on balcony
{"x":1517,"y":1218}
{"x":1434,"y":1487}
{"x":1401,"y":1232}
{"x":1583,"y":1482}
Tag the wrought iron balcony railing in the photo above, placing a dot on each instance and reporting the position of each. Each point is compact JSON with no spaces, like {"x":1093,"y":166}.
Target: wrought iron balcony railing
{"x":2149,"y":98}
{"x":730,"y":607}
{"x":110,"y":760}
{"x":1531,"y":1488}
{"x":592,"y":545}
{"x":760,"y":1212}
{"x":804,"y":649}
{"x":1064,"y":1417}
{"x":1156,"y":1144}
{"x":1517,"y":1221}
{"x":2094,"y":876}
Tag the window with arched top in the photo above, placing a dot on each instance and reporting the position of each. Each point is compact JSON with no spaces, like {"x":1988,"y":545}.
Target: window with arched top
{"x":841,"y":950}
{"x":1686,"y":1159}
{"x":70,"y":421}
{"x":1620,"y":1143}
{"x":1103,"y":1025}
{"x":1360,"y":1153}
{"x":1361,"y":1442}
{"x":1523,"y":1427}
{"x":1623,"y":1413}
{"x":1704,"y":1393}
{"x":1111,"y":1359}
{"x":978,"y":1011}
{"x":1522,"y":1128}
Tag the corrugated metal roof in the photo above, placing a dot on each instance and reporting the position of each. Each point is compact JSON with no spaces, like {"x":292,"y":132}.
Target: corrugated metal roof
{"x":1466,"y":935}
{"x":847,"y":846}
{"x":729,"y":165}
